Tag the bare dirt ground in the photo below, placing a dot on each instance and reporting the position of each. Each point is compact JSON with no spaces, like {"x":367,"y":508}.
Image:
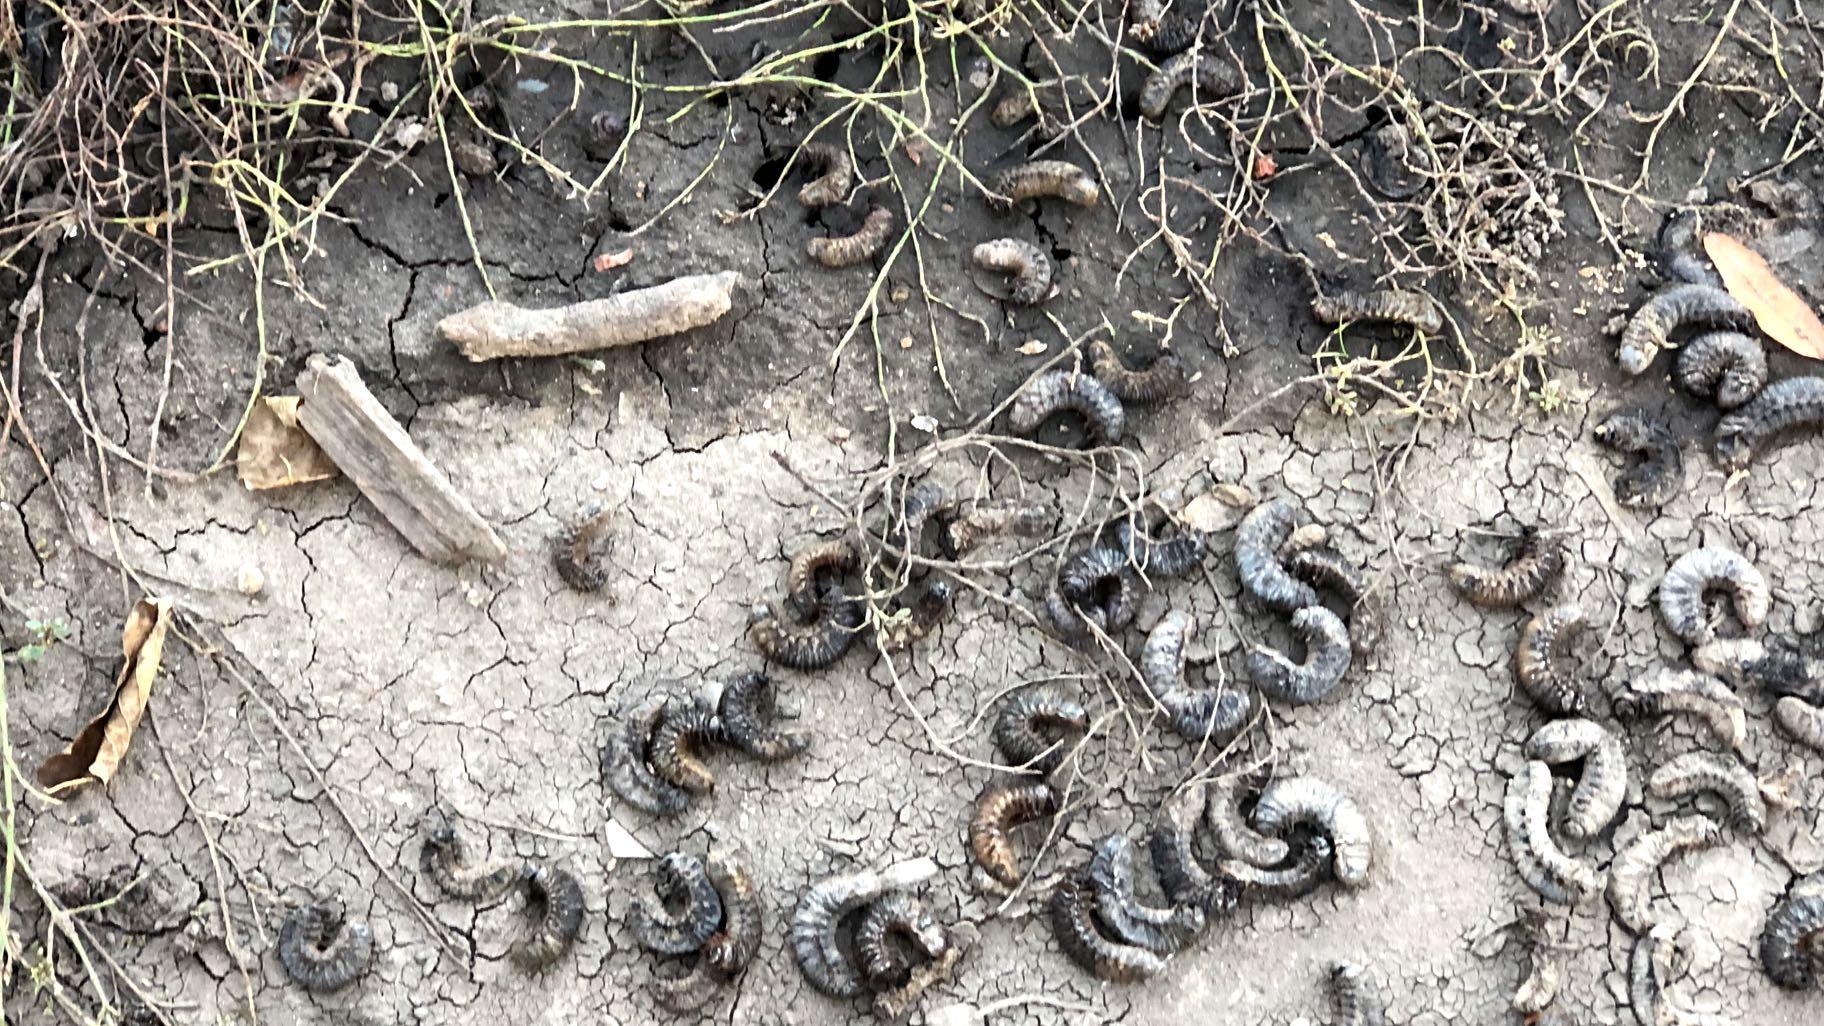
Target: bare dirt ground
{"x":299,"y":733}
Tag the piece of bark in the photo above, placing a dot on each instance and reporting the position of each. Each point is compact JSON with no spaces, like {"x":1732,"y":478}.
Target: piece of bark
{"x":496,"y":329}
{"x":382,"y":460}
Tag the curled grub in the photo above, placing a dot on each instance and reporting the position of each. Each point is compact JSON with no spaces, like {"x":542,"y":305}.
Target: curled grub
{"x":808,"y":643}
{"x":1208,"y":77}
{"x":1386,"y":306}
{"x":574,"y":556}
{"x":1030,"y":267}
{"x":1043,"y":178}
{"x":688,"y":909}
{"x":1321,"y":805}
{"x":1636,"y":865}
{"x":1258,"y":541}
{"x":1162,"y":378}
{"x":1060,"y":391}
{"x":1541,"y":663}
{"x":1537,"y":564}
{"x":1327,"y":658}
{"x":1728,"y":366}
{"x":1671,"y":309}
{"x":998,"y":810}
{"x":322,"y":951}
{"x":1120,"y":911}
{"x":1788,"y":406}
{"x":1681,"y":593}
{"x":835,"y":173}
{"x":864,"y":243}
{"x":745,"y":715}
{"x":1073,"y":922}
{"x":1035,"y":728}
{"x":554,"y":900}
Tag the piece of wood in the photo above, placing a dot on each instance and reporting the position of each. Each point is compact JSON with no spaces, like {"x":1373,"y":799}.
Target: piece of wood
{"x":496,"y":329}
{"x":382,"y":460}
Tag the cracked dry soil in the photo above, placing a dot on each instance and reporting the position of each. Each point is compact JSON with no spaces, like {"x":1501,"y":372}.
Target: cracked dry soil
{"x":406,"y":684}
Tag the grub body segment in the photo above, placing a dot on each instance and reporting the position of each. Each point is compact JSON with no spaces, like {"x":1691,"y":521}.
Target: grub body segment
{"x":1536,"y":566}
{"x":998,"y":810}
{"x":322,"y":950}
{"x":1672,"y":309}
{"x":1681,"y":593}
{"x":1061,"y":391}
{"x":1786,"y":407}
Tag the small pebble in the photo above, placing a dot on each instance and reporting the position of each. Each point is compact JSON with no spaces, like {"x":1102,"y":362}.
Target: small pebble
{"x":250,"y":580}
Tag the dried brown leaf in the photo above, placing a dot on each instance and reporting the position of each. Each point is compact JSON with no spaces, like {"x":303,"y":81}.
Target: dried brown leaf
{"x":275,"y":452}
{"x":1218,"y":509}
{"x":96,"y":751}
{"x":1782,"y":313}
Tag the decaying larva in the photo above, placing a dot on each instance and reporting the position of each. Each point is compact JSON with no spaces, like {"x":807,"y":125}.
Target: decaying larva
{"x":1535,"y":567}
{"x":1670,"y":309}
{"x":1059,"y":179}
{"x":899,"y":915}
{"x":1094,"y":587}
{"x":1061,"y":391}
{"x":446,"y":859}
{"x":323,"y":951}
{"x":1801,"y":720}
{"x":1388,"y":306}
{"x":1649,"y":970}
{"x":1538,"y":990}
{"x":1778,"y":667}
{"x":1792,"y":940}
{"x":1657,"y":463}
{"x":1162,"y":378}
{"x":1324,"y":568}
{"x":1208,"y":76}
{"x":932,"y":607}
{"x":814,"y":570}
{"x":1035,"y":729}
{"x":731,"y":950}
{"x":1173,"y":848}
{"x":1020,"y":103}
{"x":1319,"y":804}
{"x":686,"y":993}
{"x":1126,"y":918}
{"x":555,"y":902}
{"x":624,"y":766}
{"x":574,"y":556}
{"x":1327,"y":657}
{"x":1173,"y":552}
{"x":998,"y":809}
{"x":815,"y":944}
{"x":1257,"y":555}
{"x":1197,"y":714}
{"x":1224,"y":817}
{"x":1681,"y":593}
{"x":807,"y":644}
{"x":1672,"y":692}
{"x":1603,"y":785}
{"x":687,"y":911}
{"x":1073,"y":920}
{"x":1556,"y":876}
{"x":745,"y":714}
{"x":835,"y":170}
{"x":894,"y":1005}
{"x":1790,"y":405}
{"x":1637,"y":864}
{"x":909,"y":516}
{"x":1355,"y":997}
{"x":1163,"y":30}
{"x":1027,"y":263}
{"x":975,"y":522}
{"x":679,"y":741}
{"x":1541,"y":662}
{"x":1696,"y":772}
{"x":1728,"y":366}
{"x":1311,"y":864}
{"x":864,"y":243}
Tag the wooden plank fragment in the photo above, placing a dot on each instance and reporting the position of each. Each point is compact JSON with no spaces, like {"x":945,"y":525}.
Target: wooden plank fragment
{"x":495,"y":329}
{"x":382,"y":460}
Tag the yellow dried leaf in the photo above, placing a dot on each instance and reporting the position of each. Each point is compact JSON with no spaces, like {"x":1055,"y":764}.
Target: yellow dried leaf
{"x":275,"y":452}
{"x":1782,"y":313}
{"x":96,"y":751}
